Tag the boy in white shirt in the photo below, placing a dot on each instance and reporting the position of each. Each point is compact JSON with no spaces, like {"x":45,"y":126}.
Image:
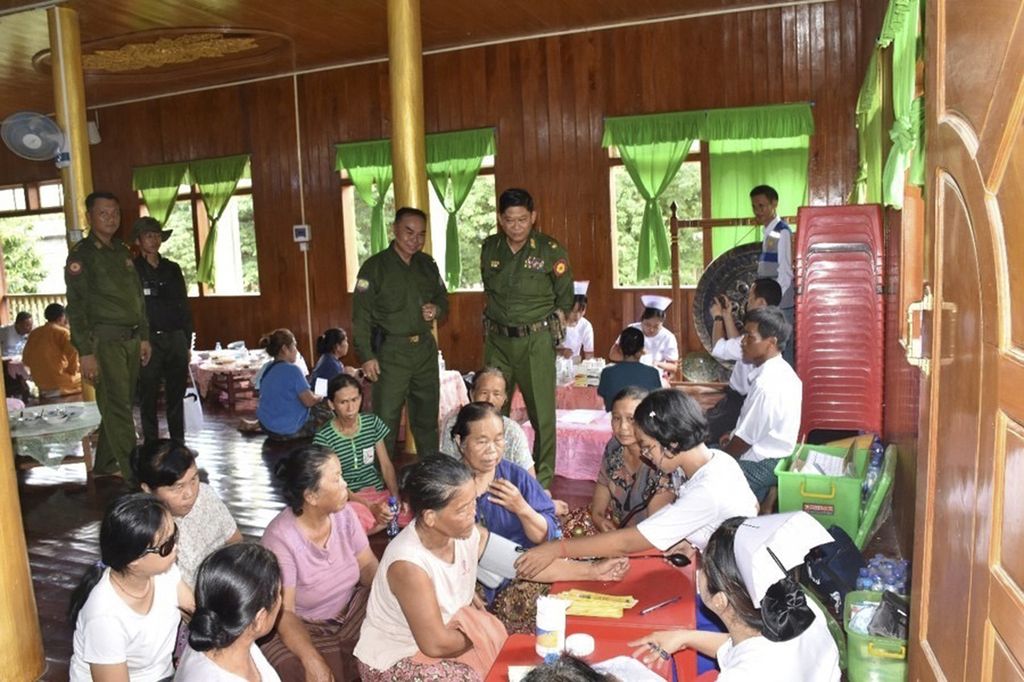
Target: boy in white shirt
{"x":579,"y":333}
{"x":725,"y":337}
{"x":769,"y":422}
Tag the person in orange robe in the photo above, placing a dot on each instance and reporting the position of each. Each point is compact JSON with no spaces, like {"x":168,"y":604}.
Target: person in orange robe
{"x":51,"y":359}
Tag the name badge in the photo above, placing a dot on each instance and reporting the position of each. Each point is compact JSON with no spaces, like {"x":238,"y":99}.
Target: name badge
{"x":368,"y":454}
{"x":146,"y":291}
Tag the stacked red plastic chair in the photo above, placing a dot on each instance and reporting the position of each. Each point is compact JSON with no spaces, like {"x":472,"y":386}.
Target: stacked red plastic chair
{"x":840,"y":317}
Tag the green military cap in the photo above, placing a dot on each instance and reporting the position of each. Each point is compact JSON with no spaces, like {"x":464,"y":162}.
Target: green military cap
{"x":147,"y":224}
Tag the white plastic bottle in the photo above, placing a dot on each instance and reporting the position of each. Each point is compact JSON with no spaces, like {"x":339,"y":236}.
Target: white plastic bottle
{"x":550,"y":625}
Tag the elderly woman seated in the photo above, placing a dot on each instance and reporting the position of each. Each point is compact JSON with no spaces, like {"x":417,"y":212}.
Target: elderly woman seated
{"x":326,"y":564}
{"x":627,"y":490}
{"x":422,"y":621}
{"x":168,"y":471}
{"x":489,"y":387}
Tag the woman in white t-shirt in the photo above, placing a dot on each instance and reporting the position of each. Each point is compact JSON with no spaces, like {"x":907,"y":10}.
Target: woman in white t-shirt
{"x":710,"y":488}
{"x":127,"y":607}
{"x":774,"y":633}
{"x":238,"y":597}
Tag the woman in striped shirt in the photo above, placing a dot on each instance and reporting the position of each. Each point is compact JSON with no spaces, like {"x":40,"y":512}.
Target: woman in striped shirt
{"x":358,"y":441}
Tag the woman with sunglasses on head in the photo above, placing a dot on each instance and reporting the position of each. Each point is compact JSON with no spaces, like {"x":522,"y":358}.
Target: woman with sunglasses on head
{"x":627,"y":490}
{"x":774,"y":633}
{"x":238,"y":597}
{"x":710,"y":488}
{"x":127,"y":606}
{"x":167,"y":470}
{"x":326,"y":569}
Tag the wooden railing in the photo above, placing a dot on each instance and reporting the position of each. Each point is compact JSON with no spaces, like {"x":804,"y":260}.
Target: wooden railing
{"x":33,"y":303}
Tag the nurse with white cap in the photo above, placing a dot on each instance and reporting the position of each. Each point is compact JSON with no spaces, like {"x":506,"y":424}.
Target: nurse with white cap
{"x":660,"y":347}
{"x":578,"y":343}
{"x":774,"y":633}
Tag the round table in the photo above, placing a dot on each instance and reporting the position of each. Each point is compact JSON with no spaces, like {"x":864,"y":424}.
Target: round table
{"x":49,"y":433}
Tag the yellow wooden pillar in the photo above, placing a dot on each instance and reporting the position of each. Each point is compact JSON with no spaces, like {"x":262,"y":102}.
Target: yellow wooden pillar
{"x":69,"y":104}
{"x":408,"y":149}
{"x":408,"y":154}
{"x":21,"y":644}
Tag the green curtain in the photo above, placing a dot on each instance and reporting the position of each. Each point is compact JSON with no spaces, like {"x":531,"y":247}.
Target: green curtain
{"x":652,"y":149}
{"x":737,"y":166}
{"x":453,"y":162}
{"x":217,"y":180}
{"x":369,"y":167}
{"x":159,"y":186}
{"x":759,"y":123}
{"x":867,"y":188}
{"x":900,"y":28}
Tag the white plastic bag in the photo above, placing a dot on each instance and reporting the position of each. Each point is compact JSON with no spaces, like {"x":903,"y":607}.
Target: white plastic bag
{"x":193,"y":411}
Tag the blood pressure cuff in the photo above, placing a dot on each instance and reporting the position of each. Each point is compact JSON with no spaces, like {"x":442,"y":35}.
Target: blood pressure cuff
{"x":498,"y":562}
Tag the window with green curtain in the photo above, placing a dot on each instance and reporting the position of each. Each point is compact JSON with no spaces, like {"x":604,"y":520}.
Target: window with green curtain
{"x":652,"y":149}
{"x":867,"y":188}
{"x":453,"y":163}
{"x":901,"y":29}
{"x":159,"y":186}
{"x":753,"y":146}
{"x":217,"y":180}
{"x":368,"y":165}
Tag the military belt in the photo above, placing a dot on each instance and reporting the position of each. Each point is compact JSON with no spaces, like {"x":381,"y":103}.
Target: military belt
{"x":515,"y":331}
{"x":115,"y":332}
{"x":413,"y":339}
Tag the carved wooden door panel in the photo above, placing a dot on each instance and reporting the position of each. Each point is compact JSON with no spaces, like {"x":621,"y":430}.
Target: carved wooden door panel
{"x":968,"y":594}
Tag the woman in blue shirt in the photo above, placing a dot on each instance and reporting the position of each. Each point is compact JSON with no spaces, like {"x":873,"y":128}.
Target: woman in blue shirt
{"x":331,"y":346}
{"x":287,"y":408}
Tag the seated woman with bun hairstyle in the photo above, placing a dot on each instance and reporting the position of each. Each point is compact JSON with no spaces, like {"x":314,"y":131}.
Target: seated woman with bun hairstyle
{"x":774,"y":633}
{"x":238,"y":597}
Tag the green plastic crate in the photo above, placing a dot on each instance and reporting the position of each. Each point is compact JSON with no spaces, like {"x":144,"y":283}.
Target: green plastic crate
{"x":836,"y":500}
{"x":870,"y":658}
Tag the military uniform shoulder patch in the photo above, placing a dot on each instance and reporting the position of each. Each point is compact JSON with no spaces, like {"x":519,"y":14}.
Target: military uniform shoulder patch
{"x":74,"y":267}
{"x":561,"y":265}
{"x":362,"y":284}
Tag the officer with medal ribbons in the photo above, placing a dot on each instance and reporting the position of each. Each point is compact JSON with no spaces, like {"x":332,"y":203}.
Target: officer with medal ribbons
{"x":529,"y":287}
{"x":399,"y":295}
{"x":107,"y":313}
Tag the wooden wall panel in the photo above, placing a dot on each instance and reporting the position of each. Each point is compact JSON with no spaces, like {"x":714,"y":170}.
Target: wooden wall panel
{"x":546,"y":99}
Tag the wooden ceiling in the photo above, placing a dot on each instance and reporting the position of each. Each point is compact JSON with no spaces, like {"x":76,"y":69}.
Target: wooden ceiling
{"x":290,"y":35}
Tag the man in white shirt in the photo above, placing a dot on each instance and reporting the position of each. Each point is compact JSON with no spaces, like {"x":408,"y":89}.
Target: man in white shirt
{"x":769,"y":422}
{"x":14,"y":336}
{"x":578,"y":343}
{"x":776,"y":259}
{"x":725,"y":337}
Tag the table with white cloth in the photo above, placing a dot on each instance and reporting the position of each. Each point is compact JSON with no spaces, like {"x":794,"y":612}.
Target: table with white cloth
{"x":228,"y":373}
{"x":51,"y":433}
{"x":568,"y":397}
{"x":580,"y":438}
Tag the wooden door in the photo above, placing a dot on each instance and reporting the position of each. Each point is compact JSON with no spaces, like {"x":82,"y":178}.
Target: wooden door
{"x":968,"y":594}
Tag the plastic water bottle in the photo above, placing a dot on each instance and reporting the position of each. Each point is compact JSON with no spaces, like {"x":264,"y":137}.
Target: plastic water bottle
{"x":863,"y":580}
{"x":874,"y":472}
{"x":393,"y":523}
{"x":217,"y":346}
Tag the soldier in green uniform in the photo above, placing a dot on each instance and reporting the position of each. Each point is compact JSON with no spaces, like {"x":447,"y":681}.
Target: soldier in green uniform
{"x":170,"y":331}
{"x":399,"y":294}
{"x":528,"y":282}
{"x":107,"y":314}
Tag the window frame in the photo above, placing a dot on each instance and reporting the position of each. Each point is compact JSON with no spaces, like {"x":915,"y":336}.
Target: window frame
{"x":347,"y":192}
{"x":30,"y":191}
{"x":201,"y":228}
{"x":701,"y":156}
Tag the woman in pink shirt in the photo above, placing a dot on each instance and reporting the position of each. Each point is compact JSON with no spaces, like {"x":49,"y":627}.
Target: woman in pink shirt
{"x":326,"y":568}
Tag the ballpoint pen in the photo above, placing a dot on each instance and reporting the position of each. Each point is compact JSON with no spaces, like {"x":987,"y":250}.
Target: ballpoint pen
{"x":673,"y":600}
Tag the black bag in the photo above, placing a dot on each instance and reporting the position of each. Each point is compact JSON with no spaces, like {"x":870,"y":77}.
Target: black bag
{"x":832,"y":569}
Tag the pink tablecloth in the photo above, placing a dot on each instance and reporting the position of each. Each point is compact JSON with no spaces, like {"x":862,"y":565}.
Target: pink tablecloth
{"x":566,"y":398}
{"x":580,"y":439}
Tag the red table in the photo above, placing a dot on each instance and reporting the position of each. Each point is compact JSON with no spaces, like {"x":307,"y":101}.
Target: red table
{"x":579,"y":447}
{"x":610,"y":641}
{"x":650,"y":581}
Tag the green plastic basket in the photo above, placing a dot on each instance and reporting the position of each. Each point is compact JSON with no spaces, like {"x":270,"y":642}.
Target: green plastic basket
{"x":870,"y":658}
{"x":835,"y":500}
